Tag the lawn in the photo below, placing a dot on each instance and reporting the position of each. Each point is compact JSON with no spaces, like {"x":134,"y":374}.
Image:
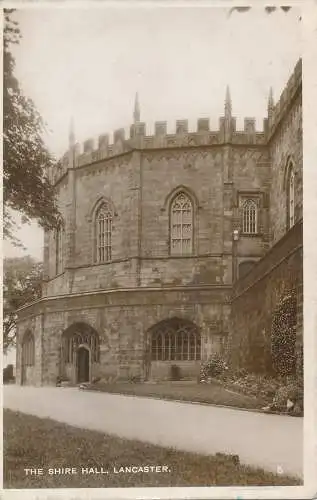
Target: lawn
{"x":31,"y":442}
{"x":183,"y":391}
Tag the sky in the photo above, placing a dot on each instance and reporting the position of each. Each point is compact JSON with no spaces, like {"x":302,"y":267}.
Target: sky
{"x":89,"y":63}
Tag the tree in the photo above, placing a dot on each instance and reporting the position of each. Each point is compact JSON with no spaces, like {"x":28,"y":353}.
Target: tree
{"x":22,"y":279}
{"x":26,"y":187}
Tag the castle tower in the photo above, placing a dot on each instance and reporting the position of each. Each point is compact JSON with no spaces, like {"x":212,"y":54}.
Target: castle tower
{"x":136,"y":112}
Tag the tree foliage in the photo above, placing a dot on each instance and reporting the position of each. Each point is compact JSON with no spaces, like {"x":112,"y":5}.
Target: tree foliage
{"x":26,"y":187}
{"x":268,"y":9}
{"x":22,"y":278}
{"x":283,"y":336}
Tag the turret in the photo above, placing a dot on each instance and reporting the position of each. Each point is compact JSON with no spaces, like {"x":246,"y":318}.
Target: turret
{"x":136,"y":112}
{"x":71,"y":133}
{"x":270,"y":106}
{"x":136,"y":117}
{"x":227,"y":123}
{"x":228,"y":105}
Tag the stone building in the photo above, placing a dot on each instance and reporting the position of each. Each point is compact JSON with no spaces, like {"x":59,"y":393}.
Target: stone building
{"x":170,"y":247}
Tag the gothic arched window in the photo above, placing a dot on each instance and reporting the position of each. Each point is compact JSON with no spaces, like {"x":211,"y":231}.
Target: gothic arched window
{"x":59,"y":242}
{"x":249,"y":217}
{"x":103,"y":229}
{"x":175,"y":340}
{"x":181,"y":225}
{"x":291,"y":196}
{"x":28,"y":350}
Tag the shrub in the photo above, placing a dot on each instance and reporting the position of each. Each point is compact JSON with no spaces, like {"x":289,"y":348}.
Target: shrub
{"x":283,"y":335}
{"x":293,"y":391}
{"x":214,"y":367}
{"x":175,"y":372}
{"x":259,"y":385}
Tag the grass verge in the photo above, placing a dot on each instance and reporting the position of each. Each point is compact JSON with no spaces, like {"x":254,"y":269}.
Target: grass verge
{"x":201,"y":393}
{"x":31,"y":442}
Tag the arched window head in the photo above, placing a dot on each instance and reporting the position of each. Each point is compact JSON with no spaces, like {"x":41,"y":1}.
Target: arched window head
{"x":291,"y":196}
{"x":28,"y":350}
{"x":59,"y":243}
{"x":181,"y":225}
{"x":77,"y":335}
{"x":103,"y":228}
{"x":175,"y":340}
{"x":249,"y":217}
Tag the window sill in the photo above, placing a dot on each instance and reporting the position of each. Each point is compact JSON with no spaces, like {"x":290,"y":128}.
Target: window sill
{"x":251,"y":235}
{"x":175,"y":360}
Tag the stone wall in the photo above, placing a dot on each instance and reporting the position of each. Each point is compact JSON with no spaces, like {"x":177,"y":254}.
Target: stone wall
{"x":140,"y":186}
{"x":286,"y":145}
{"x":122,"y":320}
{"x":50,"y":240}
{"x":255,"y":297}
{"x":161,"y":370}
{"x":31,"y":375}
{"x":116,"y":180}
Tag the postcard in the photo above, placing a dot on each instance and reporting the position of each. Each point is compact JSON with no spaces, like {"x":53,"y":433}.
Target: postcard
{"x":154,"y":170}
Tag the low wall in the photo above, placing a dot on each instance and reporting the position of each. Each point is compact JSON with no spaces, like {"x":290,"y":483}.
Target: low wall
{"x":161,"y":370}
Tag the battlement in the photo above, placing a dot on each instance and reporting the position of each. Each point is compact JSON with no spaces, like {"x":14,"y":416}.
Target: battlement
{"x":286,"y":98}
{"x":106,"y":147}
{"x":103,"y":148}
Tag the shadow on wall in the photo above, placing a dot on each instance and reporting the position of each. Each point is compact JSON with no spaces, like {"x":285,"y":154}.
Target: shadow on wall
{"x":245,"y":267}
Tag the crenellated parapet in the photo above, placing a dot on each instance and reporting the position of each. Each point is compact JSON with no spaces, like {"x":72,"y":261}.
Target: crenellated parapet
{"x":109,"y":146}
{"x":276,"y":113}
{"x":106,"y":146}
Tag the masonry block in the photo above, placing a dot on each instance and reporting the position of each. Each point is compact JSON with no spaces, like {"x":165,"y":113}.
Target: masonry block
{"x":160,"y":128}
{"x":88,"y":146}
{"x":103,"y":141}
{"x":203,"y":125}
{"x":181,"y":126}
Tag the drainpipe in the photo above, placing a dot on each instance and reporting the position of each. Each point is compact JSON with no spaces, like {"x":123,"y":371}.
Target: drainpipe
{"x":235,"y":239}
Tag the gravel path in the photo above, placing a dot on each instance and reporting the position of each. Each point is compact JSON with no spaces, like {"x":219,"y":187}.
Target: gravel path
{"x":272,"y":442}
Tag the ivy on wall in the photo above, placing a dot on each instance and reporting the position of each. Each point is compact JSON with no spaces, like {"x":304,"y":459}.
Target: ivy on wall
{"x":283,"y":335}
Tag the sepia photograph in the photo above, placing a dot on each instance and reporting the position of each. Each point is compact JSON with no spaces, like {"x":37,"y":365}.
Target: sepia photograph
{"x":153,"y":246}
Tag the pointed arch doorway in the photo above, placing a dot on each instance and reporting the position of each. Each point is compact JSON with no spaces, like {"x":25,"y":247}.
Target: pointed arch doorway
{"x":83,"y":364}
{"x":80,"y":353}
